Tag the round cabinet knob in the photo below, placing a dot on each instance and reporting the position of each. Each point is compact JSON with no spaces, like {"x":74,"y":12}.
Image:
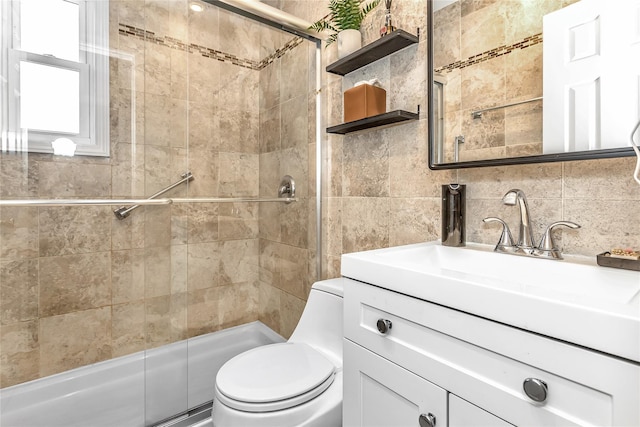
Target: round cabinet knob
{"x":427,"y":420}
{"x":536,"y":389}
{"x":383,"y":326}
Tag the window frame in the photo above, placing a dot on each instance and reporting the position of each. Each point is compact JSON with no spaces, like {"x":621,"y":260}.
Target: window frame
{"x":93,"y":68}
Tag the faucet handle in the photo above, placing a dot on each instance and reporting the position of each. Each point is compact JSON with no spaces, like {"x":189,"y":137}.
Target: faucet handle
{"x":505,"y":244}
{"x":547,"y":243}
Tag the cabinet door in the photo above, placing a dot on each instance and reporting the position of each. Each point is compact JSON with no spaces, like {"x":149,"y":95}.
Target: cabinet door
{"x":379,"y":393}
{"x":464,"y":414}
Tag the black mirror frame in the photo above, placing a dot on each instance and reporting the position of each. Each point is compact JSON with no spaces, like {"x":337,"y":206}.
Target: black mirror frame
{"x":542,"y":158}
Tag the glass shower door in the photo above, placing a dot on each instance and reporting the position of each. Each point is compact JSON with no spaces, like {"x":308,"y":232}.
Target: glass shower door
{"x":115,"y":302}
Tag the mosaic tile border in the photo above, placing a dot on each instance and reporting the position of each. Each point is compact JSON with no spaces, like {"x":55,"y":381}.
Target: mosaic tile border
{"x":493,"y":53}
{"x":172,"y":43}
{"x":280,"y":52}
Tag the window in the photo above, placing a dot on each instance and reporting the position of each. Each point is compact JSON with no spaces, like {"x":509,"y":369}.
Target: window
{"x":55,"y":75}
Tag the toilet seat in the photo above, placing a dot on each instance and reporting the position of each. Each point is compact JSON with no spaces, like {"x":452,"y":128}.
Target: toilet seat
{"x":274,"y":377}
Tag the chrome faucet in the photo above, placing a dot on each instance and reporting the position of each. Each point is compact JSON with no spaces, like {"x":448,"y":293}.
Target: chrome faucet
{"x":525,"y":244}
{"x":525,"y":236}
{"x":547,"y":247}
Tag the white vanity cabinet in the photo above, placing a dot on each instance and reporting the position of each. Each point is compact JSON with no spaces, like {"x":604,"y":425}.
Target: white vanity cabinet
{"x":437,"y":366}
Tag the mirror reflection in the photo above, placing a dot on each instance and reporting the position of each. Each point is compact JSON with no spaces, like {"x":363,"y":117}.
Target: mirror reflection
{"x":516,"y":78}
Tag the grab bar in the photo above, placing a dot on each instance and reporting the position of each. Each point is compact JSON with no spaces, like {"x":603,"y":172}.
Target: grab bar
{"x":142,"y":202}
{"x":122,"y":212}
{"x":286,"y":194}
{"x":478,"y":113}
{"x":83,"y":202}
{"x":232,"y":200}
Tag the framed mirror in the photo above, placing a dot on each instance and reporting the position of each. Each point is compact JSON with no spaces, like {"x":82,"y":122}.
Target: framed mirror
{"x":531,"y":81}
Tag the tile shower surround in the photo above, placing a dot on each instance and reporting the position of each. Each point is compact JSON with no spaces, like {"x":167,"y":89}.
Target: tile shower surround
{"x":378,"y":193}
{"x":79,"y":286}
{"x":206,"y":51}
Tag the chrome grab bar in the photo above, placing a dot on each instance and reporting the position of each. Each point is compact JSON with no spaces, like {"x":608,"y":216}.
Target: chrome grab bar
{"x":478,"y":113}
{"x":83,"y":202}
{"x":122,"y":212}
{"x":141,"y":202}
{"x":286,"y":194}
{"x":232,"y":200}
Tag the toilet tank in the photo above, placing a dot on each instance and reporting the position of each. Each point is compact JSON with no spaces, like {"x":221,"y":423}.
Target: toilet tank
{"x":321,"y":323}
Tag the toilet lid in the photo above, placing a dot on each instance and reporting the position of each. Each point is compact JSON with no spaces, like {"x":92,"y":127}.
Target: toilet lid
{"x":275,"y":373}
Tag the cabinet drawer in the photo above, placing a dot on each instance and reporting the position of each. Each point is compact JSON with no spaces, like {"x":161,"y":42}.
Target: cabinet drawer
{"x":486,"y":363}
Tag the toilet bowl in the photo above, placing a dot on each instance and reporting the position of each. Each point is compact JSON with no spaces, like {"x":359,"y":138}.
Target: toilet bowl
{"x":296,"y":383}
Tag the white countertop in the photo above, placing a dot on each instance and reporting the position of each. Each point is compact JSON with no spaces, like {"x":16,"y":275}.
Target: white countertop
{"x":573,"y":300}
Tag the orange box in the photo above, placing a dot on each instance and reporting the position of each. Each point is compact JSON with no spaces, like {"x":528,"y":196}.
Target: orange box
{"x":364,"y":101}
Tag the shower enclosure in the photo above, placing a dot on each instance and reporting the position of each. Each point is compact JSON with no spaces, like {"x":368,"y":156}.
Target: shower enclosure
{"x":146,"y":92}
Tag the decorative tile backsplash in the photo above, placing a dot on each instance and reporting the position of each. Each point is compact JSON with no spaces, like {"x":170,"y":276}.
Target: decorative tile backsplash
{"x":207,"y":52}
{"x":490,"y":54}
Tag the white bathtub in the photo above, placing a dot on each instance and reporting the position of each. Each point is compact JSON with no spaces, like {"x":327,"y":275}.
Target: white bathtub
{"x":134,"y":390}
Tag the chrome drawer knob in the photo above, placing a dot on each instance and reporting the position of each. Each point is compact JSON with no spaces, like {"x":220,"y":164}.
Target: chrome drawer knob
{"x":427,"y":420}
{"x":536,"y":389}
{"x":383,"y":326}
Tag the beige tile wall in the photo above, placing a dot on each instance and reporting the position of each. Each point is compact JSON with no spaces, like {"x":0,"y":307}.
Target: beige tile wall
{"x":287,"y":147}
{"x":380,"y":192}
{"x":78,"y":286}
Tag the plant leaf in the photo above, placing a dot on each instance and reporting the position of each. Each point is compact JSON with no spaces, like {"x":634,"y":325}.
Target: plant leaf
{"x":344,"y":15}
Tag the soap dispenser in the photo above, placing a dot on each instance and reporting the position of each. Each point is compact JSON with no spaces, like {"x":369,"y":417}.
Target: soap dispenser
{"x":453,"y":215}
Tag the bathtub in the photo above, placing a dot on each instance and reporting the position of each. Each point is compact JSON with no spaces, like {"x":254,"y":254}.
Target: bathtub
{"x":135,"y":390}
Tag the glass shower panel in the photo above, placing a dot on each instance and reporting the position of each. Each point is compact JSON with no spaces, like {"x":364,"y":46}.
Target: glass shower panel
{"x":287,"y":146}
{"x":230,"y":100}
{"x":222,"y":96}
{"x":65,"y":296}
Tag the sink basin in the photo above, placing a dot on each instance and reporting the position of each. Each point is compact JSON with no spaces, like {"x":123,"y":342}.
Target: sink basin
{"x":573,"y":300}
{"x":520,"y":274}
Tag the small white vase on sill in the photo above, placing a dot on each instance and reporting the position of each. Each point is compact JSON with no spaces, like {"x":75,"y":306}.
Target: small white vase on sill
{"x":348,"y":42}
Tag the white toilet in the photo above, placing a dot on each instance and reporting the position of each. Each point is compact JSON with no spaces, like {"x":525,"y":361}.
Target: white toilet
{"x":297,"y":383}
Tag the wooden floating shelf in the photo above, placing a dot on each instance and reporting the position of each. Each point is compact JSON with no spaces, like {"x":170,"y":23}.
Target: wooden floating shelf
{"x":380,"y":48}
{"x":392,"y":117}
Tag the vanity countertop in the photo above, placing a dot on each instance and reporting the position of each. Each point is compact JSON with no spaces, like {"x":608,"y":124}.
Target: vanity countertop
{"x":573,"y":300}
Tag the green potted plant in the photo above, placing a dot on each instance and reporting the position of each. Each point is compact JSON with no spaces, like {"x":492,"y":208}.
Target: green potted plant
{"x":344,"y":22}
